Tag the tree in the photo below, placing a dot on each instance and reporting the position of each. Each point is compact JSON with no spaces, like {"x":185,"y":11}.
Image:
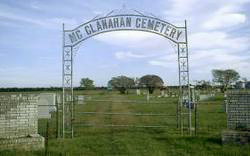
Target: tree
{"x":122,"y":83}
{"x":87,"y":83}
{"x":203,"y":84}
{"x":151,"y":82}
{"x":225,"y":77}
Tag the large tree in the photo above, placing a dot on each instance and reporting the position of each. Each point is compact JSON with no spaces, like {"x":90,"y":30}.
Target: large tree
{"x":225,"y":77}
{"x":151,"y":82}
{"x":122,"y":83}
{"x":87,"y":83}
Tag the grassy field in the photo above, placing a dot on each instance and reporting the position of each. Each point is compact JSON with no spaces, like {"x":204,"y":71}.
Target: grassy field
{"x":103,"y":140}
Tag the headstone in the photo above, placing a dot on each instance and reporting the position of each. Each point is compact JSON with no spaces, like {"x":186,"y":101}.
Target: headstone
{"x":138,"y":92}
{"x":109,"y":86}
{"x":79,"y":99}
{"x":162,"y":92}
{"x":148,"y":96}
{"x":88,"y":98}
{"x":59,"y":98}
{"x":224,"y":106}
{"x":204,"y":97}
{"x":46,"y":105}
{"x":238,"y":118}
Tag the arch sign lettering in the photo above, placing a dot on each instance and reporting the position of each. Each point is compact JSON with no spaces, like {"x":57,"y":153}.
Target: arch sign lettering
{"x":124,"y":22}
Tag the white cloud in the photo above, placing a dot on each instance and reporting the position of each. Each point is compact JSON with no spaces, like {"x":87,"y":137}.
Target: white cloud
{"x":182,"y":7}
{"x":212,"y":42}
{"x":51,"y":23}
{"x":218,"y":39}
{"x":124,"y":37}
{"x":129,"y":54}
{"x":161,"y":63}
{"x":143,"y":42}
{"x":225,"y":17}
{"x":167,"y":61}
{"x":202,"y":62}
{"x":35,"y":5}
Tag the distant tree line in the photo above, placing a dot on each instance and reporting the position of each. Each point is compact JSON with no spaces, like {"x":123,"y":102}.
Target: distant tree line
{"x":44,"y":89}
{"x":123,"y":83}
{"x":223,"y":80}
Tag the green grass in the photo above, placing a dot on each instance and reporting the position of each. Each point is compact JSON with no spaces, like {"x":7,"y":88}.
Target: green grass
{"x":93,"y":141}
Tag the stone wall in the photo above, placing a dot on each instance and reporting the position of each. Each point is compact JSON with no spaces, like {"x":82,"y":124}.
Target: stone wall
{"x":238,"y":110}
{"x":235,"y":137}
{"x":18,"y":116}
{"x":24,"y":143}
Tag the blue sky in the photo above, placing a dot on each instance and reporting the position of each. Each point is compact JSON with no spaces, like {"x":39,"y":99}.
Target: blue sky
{"x":31,"y":41}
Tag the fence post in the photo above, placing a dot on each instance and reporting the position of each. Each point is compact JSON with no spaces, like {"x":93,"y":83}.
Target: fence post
{"x":195,"y":121}
{"x":47,"y":138}
{"x":57,"y":119}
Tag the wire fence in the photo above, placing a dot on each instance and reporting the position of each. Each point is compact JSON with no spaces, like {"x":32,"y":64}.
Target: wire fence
{"x":123,"y":113}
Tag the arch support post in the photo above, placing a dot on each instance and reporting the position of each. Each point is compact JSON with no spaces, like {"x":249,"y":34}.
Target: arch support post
{"x":184,"y":106}
{"x":67,"y":86}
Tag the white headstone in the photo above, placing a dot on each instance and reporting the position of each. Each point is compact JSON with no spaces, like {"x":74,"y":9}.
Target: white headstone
{"x":46,"y":105}
{"x":138,"y":92}
{"x":148,"y":96}
{"x":162,"y":92}
{"x":80,"y":99}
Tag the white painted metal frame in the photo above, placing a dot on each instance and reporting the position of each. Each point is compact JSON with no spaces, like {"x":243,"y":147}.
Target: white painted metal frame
{"x":184,"y":110}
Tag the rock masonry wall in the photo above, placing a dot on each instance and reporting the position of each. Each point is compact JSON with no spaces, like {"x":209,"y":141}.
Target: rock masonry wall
{"x":18,"y":116}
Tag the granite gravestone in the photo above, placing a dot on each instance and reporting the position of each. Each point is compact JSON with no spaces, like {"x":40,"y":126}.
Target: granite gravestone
{"x":238,"y":118}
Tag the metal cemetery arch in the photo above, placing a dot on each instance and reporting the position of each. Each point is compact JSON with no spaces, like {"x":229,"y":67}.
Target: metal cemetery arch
{"x":120,"y":22}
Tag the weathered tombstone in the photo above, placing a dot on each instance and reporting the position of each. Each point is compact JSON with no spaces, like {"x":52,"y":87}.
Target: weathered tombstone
{"x":204,"y":97}
{"x":224,"y":106}
{"x":58,"y":98}
{"x":109,"y":86}
{"x":148,"y":96}
{"x":238,"y":118}
{"x":18,"y":122}
{"x":138,"y":92}
{"x":46,"y":105}
{"x":79,"y":99}
{"x":137,"y":82}
{"x":88,"y":98}
{"x":162,"y":93}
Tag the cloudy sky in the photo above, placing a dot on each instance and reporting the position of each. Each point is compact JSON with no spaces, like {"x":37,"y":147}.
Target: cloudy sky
{"x":31,"y":40}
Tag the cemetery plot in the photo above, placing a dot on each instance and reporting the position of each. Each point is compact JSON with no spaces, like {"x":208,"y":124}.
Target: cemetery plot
{"x":121,"y":112}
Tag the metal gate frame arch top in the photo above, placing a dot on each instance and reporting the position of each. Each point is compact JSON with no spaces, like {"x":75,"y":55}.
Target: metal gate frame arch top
{"x":123,"y":22}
